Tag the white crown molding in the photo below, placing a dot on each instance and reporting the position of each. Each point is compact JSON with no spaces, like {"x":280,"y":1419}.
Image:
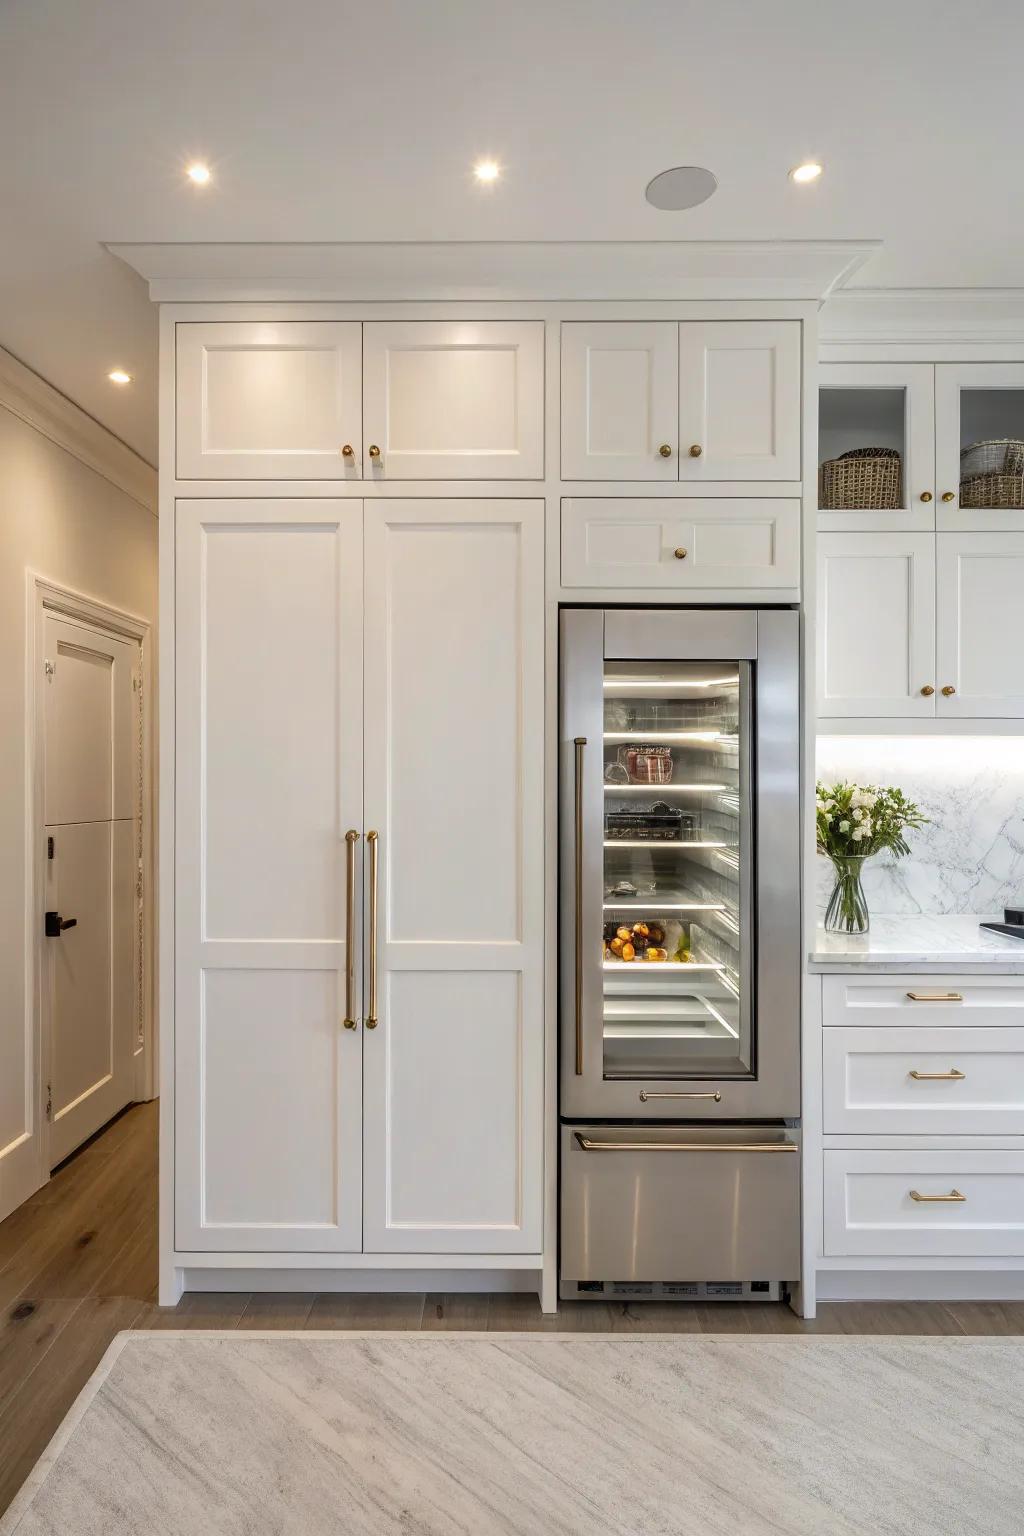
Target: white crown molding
{"x":496,"y":270}
{"x":37,"y":403}
{"x":930,"y":316}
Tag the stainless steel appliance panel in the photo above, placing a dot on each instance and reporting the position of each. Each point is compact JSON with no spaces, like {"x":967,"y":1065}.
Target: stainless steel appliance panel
{"x":656,"y":1203}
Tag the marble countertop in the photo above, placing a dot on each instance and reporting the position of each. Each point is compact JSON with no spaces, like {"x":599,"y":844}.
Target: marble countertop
{"x":920,"y":942}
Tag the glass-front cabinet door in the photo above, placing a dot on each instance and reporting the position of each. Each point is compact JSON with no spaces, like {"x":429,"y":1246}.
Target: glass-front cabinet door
{"x":876,"y":446}
{"x":680,"y":863}
{"x":979,"y":434}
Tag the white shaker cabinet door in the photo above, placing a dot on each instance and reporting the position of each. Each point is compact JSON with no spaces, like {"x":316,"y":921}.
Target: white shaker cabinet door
{"x":454,"y":645}
{"x":619,"y":400}
{"x":876,"y":625}
{"x":274,"y":400}
{"x":268,"y":705}
{"x":739,"y":400}
{"x":454,"y":400}
{"x":980,"y":586}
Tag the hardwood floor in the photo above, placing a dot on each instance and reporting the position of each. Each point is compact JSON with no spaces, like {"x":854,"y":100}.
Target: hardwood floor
{"x":78,"y":1263}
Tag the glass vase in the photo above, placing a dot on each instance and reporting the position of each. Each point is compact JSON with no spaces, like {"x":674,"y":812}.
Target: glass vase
{"x":847,"y":910}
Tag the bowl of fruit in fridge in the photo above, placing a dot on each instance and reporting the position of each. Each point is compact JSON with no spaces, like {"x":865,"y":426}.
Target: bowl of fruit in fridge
{"x":648,"y":941}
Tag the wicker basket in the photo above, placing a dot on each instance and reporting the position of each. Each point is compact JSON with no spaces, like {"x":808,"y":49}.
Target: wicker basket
{"x":864,"y":477}
{"x":992,"y":491}
{"x":992,"y":456}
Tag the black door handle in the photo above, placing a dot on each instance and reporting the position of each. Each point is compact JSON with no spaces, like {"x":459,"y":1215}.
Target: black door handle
{"x":54,"y":924}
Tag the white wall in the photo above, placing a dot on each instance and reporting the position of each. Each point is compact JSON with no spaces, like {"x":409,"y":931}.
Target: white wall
{"x":63,"y":520}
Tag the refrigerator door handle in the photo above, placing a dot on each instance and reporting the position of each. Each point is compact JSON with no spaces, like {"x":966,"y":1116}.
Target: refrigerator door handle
{"x":579,"y":742}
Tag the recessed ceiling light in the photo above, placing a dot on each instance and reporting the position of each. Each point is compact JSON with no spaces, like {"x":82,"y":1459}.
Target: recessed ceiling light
{"x":198,"y":173}
{"x":809,"y":171}
{"x":684,"y":186}
{"x":118,"y":376}
{"x":487,"y":170}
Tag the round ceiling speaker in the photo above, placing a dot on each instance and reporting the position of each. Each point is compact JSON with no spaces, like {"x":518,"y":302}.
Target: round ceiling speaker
{"x":684,"y":186}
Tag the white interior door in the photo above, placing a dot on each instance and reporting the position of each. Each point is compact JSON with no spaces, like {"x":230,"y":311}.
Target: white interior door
{"x":620,"y":400}
{"x":90,"y":811}
{"x":268,"y":693}
{"x":261,"y":400}
{"x":876,"y":624}
{"x":739,"y":400}
{"x":454,"y":399}
{"x":454,"y":645}
{"x":979,"y":586}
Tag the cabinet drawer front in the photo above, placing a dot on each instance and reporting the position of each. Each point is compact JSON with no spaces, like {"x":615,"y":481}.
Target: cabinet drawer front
{"x":727,"y":542}
{"x":940,"y":1001}
{"x":924,"y":1081}
{"x":927,"y":1204}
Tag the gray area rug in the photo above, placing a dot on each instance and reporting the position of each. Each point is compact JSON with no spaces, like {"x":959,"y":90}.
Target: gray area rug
{"x":538,"y":1435}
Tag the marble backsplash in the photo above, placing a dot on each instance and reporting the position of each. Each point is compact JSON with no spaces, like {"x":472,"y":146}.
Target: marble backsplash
{"x":970,"y":858}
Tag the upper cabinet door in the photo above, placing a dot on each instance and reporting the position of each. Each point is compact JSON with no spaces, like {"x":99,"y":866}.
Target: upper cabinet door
{"x":979,"y":446}
{"x":877,"y":405}
{"x":619,"y":400}
{"x":979,"y":583}
{"x":454,"y":400}
{"x":268,"y":401}
{"x":739,"y":400}
{"x":876,"y":625}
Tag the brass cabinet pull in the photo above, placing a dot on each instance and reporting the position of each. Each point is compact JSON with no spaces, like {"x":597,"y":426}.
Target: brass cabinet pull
{"x":579,"y":742}
{"x":680,"y":553}
{"x":927,"y":691}
{"x":351,"y":838}
{"x":948,"y":691}
{"x":665,"y":450}
{"x":645,"y":1095}
{"x":695,"y":450}
{"x":374,"y":451}
{"x":926,"y":495}
{"x":954,"y":1197}
{"x":952,"y":1076}
{"x":348,"y":452}
{"x":949,"y":495}
{"x":936,"y":997}
{"x":371,"y":1017}
{"x":588,"y":1145}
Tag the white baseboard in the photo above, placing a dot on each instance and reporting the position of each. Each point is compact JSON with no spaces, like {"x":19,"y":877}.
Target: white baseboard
{"x":506,"y":1281}
{"x":920,"y":1285}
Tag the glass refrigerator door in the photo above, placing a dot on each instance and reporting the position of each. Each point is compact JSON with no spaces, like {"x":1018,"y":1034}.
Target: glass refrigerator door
{"x":677,"y":876}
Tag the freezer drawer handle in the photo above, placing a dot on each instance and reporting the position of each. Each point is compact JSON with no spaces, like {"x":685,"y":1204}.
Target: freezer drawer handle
{"x":954,"y":1075}
{"x":954,"y":1195}
{"x":579,"y":742}
{"x":588,"y":1145}
{"x":936,"y":997}
{"x":645,"y":1095}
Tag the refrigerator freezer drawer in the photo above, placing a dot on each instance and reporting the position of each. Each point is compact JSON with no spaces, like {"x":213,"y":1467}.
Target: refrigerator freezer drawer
{"x":678,"y":1203}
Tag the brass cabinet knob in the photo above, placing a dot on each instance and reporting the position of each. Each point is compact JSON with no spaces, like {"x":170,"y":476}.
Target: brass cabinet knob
{"x":927,"y":690}
{"x":948,"y":691}
{"x":680,"y":553}
{"x":665,"y":451}
{"x":695,"y":450}
{"x":374,"y":451}
{"x":926,"y":495}
{"x":949,"y":495}
{"x":347,"y":452}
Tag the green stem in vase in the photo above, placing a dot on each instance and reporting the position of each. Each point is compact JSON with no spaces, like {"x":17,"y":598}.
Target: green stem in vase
{"x":847,"y":910}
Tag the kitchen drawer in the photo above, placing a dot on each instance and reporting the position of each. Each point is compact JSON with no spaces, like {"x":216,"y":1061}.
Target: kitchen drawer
{"x":933,"y":1000}
{"x":870,"y":1210}
{"x":678,"y":1203}
{"x":971,"y":1081}
{"x":680,"y":543}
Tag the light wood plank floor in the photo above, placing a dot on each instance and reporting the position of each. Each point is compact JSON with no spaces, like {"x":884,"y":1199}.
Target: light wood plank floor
{"x":78,"y":1262}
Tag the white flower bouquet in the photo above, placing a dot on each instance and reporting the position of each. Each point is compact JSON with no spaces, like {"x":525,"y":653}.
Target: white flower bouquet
{"x":853,"y":822}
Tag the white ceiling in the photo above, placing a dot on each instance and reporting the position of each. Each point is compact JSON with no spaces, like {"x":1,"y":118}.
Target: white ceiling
{"x":326,"y":120}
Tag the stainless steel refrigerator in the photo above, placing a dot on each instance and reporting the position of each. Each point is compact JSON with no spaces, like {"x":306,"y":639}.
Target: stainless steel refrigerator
{"x":679,"y":952}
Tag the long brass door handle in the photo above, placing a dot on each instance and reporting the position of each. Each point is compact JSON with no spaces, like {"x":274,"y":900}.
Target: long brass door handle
{"x":351,"y":838}
{"x":953,"y":1198}
{"x":588,"y":1144}
{"x":579,"y":742}
{"x":645,"y":1095}
{"x":371,"y":1014}
{"x":952,"y":1076}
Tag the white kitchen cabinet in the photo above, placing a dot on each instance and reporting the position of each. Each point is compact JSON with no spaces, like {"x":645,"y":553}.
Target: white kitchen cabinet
{"x":739,"y":400}
{"x":453,"y":400}
{"x":453,"y":1095}
{"x":681,"y":544}
{"x":386,"y":1097}
{"x":881,"y":405}
{"x":876,"y":625}
{"x":976,"y":402}
{"x":620,"y":400}
{"x":979,"y":586}
{"x":265,"y":400}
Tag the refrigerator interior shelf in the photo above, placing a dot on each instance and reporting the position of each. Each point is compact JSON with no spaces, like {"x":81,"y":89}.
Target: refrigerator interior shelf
{"x":677,"y":844}
{"x":664,"y":789}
